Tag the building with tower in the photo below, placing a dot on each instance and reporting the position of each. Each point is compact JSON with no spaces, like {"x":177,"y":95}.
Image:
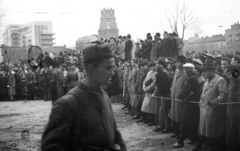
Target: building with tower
{"x":108,"y":27}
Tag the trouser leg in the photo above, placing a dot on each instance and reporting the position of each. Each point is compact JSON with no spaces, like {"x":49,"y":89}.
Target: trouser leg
{"x":176,"y":127}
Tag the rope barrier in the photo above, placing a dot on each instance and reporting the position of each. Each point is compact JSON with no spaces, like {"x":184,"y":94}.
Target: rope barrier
{"x":229,"y":103}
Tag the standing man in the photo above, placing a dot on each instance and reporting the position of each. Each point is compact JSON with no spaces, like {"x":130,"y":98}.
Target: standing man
{"x":47,"y":74}
{"x":213,"y":116}
{"x":31,"y":78}
{"x":176,"y":110}
{"x":134,"y":82}
{"x":128,"y":48}
{"x":83,"y":119}
{"x":60,"y":80}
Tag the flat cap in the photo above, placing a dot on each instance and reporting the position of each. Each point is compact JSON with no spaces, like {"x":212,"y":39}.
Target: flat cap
{"x":93,"y":52}
{"x":188,"y":65}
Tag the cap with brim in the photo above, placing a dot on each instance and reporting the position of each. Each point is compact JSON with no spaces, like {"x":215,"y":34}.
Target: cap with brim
{"x":181,"y":59}
{"x":233,"y":67}
{"x":152,"y":63}
{"x":143,"y":62}
{"x":197,"y":61}
{"x":208,"y":66}
{"x":93,"y":52}
{"x":162,"y":62}
{"x":188,"y":65}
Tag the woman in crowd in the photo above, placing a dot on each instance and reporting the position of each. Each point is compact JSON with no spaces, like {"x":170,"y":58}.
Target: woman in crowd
{"x":11,"y":85}
{"x":162,"y":89}
{"x":148,"y":106}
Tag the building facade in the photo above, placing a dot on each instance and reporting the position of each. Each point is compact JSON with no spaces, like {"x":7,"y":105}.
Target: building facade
{"x":37,"y":33}
{"x":233,"y":37}
{"x":108,"y":27}
{"x":214,"y":43}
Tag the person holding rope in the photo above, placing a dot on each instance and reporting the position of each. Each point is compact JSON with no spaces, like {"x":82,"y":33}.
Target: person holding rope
{"x":190,"y":116}
{"x":233,"y":110}
{"x":212,"y":116}
{"x":83,"y":118}
{"x":176,"y":110}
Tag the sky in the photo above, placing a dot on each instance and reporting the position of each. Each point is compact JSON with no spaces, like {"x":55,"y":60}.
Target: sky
{"x":72,"y":19}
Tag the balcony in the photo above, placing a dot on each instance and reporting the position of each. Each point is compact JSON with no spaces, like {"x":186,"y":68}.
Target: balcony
{"x":47,"y":38}
{"x":47,"y":33}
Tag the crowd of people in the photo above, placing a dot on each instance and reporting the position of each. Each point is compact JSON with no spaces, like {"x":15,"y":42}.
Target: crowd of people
{"x":157,"y":84}
{"x":56,"y":75}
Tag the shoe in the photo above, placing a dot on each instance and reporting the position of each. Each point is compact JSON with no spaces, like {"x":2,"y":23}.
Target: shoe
{"x":124,"y":108}
{"x":191,"y":142}
{"x":157,"y":129}
{"x":147,"y":121}
{"x":151,"y":124}
{"x":177,"y":145}
{"x":173,"y":136}
{"x":198,"y":147}
{"x":166,"y":131}
{"x":136,"y":117}
{"x":140,"y":121}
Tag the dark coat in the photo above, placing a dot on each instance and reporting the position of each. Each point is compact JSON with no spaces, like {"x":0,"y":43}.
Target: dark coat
{"x":92,"y":116}
{"x":146,"y":50}
{"x":233,"y":114}
{"x":71,"y":80}
{"x":190,"y":116}
{"x":3,"y":85}
{"x":168,"y":47}
{"x":162,"y":84}
{"x":128,"y":49}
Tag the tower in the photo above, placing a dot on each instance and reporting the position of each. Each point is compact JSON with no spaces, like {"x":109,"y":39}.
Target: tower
{"x":108,"y":26}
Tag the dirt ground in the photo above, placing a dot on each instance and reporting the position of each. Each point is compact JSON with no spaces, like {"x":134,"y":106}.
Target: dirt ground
{"x":33,"y":116}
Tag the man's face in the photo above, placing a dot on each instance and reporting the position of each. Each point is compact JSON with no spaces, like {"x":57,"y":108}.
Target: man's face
{"x":179,"y":65}
{"x":103,"y":74}
{"x":133,"y":63}
{"x":233,"y":61}
{"x":189,"y":71}
{"x":224,"y":64}
{"x":208,"y":74}
{"x":25,"y":135}
{"x":50,"y":68}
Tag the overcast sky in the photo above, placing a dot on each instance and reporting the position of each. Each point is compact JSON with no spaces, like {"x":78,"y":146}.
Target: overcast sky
{"x":72,"y":19}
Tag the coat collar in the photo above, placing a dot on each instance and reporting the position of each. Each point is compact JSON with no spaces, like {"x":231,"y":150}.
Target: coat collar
{"x":82,"y":86}
{"x":211,"y":82}
{"x":180,"y":73}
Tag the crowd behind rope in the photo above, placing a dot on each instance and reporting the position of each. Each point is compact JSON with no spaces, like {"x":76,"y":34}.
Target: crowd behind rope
{"x":149,"y":77}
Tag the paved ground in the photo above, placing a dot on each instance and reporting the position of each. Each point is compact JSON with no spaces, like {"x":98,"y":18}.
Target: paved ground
{"x":33,"y":115}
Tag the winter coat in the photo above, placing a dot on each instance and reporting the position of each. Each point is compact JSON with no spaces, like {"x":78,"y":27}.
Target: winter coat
{"x":148,"y":105}
{"x":134,"y":82}
{"x":3,"y":85}
{"x":12,"y":84}
{"x":121,"y":50}
{"x":190,"y":115}
{"x":213,"y":118}
{"x":233,"y":114}
{"x":71,"y":80}
{"x":176,"y":110}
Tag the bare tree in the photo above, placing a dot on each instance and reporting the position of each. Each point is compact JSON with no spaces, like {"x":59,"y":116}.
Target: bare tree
{"x":3,"y":19}
{"x":187,"y":17}
{"x":179,"y":12}
{"x":173,"y":15}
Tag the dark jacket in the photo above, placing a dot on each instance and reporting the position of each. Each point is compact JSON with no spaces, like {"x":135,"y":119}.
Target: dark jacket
{"x":190,"y":116}
{"x":162,"y":84}
{"x":91,"y":116}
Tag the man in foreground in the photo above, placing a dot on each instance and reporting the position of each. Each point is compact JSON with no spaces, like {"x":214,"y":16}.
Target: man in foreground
{"x":83,"y":119}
